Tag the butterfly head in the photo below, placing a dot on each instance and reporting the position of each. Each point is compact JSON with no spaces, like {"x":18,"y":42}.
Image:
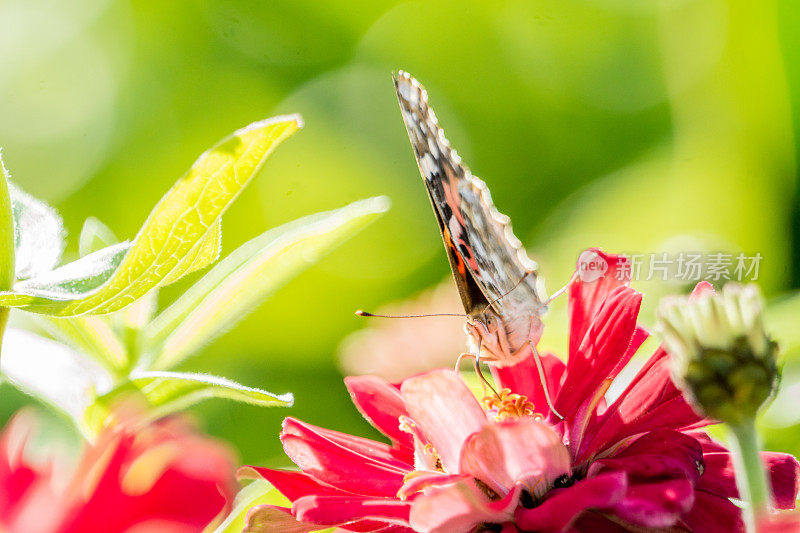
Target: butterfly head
{"x":489,"y":333}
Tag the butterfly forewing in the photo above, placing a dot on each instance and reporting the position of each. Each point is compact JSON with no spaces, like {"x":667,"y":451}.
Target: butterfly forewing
{"x":487,"y":260}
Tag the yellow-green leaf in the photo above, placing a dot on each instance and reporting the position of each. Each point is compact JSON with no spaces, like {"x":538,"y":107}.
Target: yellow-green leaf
{"x":168,"y":392}
{"x":179,"y":235}
{"x":247,"y":276}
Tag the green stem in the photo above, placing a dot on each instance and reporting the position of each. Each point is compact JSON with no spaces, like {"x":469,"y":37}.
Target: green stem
{"x":750,"y":476}
{"x":4,"y":312}
{"x":7,"y":249}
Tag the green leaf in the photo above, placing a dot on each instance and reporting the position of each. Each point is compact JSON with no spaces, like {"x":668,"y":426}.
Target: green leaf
{"x":94,"y":236}
{"x":206,"y":253}
{"x":246,"y":277}
{"x":180,"y":235}
{"x":169,"y":392}
{"x":62,"y":285}
{"x":7,"y":235}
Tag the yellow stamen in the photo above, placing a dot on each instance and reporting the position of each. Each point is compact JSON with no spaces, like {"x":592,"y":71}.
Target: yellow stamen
{"x":508,"y":405}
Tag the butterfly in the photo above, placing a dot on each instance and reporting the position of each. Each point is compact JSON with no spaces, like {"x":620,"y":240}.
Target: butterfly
{"x":499,"y":285}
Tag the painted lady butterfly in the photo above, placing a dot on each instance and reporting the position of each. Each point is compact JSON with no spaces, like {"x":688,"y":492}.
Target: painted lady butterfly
{"x":499,"y":286}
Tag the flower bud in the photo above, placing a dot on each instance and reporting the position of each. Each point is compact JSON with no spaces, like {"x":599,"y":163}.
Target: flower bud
{"x":722,"y":358}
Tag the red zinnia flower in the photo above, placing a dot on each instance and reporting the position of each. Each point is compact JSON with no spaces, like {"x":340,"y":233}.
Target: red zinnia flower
{"x":162,"y":477}
{"x":512,"y":464}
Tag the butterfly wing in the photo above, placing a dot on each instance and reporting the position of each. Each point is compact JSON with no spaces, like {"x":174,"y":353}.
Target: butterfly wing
{"x":487,"y":260}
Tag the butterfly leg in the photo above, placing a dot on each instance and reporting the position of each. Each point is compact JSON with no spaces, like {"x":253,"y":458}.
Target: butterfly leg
{"x":543,"y":381}
{"x":558,"y":293}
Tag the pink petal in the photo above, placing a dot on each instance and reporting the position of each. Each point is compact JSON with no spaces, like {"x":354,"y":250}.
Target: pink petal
{"x":381,"y":404}
{"x":337,"y":510}
{"x":445,"y":410}
{"x":460,"y":507}
{"x":522,"y":377}
{"x":713,"y":514}
{"x":424,"y":480}
{"x":702,"y":288}
{"x":273,"y":519}
{"x":523,"y":451}
{"x":332,"y":463}
{"x":563,"y":506}
{"x":586,"y":299}
{"x":650,"y":402}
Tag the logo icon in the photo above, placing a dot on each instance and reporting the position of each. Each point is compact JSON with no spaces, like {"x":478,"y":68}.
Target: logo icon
{"x":591,"y":266}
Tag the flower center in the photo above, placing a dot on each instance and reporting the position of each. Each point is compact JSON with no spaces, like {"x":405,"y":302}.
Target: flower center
{"x":509,"y":405}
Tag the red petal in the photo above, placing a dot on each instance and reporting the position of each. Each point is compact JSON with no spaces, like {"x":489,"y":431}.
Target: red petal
{"x":522,"y":451}
{"x":373,"y":526}
{"x":381,"y":404}
{"x":713,"y":514}
{"x":336,"y":510}
{"x":662,"y":468}
{"x":650,"y":402}
{"x":784,"y":473}
{"x":374,"y":449}
{"x":597,"y":523}
{"x":332,"y":463}
{"x":19,"y":478}
{"x":720,"y":478}
{"x":291,"y":484}
{"x":162,"y":474}
{"x":445,"y":410}
{"x":560,"y":509}
{"x":658,"y":504}
{"x":602,"y":353}
{"x":657,"y":455}
{"x":586,"y":299}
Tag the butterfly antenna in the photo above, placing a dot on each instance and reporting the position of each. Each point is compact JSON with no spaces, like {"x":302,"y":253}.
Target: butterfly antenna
{"x":543,"y":380}
{"x":509,"y":291}
{"x":366,"y":314}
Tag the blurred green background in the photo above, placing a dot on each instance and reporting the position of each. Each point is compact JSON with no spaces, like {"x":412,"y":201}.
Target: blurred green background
{"x":634,"y":126}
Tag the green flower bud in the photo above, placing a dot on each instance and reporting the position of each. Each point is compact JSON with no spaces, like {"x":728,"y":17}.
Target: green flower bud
{"x":722,"y":358}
